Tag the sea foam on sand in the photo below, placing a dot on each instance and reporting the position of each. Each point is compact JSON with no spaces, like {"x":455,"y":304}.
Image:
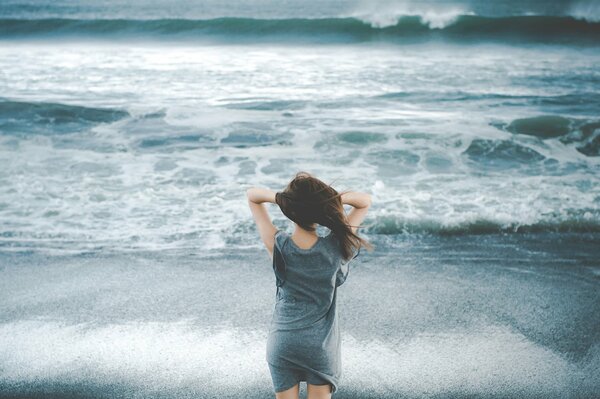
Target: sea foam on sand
{"x":154,"y":356}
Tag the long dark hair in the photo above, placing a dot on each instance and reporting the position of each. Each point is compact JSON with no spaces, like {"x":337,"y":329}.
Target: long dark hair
{"x":307,"y":200}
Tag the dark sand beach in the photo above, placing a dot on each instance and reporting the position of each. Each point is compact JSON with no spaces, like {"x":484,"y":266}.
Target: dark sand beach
{"x":485,"y":316}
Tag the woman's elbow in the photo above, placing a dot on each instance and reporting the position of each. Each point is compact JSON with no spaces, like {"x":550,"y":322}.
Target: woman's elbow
{"x":366,"y":200}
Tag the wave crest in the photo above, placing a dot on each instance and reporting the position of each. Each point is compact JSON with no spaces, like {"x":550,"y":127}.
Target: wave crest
{"x":395,"y":28}
{"x":383,"y":14}
{"x":18,"y":117}
{"x":581,"y":222}
{"x":586,"y":10}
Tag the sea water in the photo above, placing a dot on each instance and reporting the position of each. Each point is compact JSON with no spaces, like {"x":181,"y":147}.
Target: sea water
{"x":128,"y":126}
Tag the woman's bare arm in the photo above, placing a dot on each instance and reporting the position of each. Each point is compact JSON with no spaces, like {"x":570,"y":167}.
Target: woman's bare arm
{"x":360,"y":203}
{"x":256,"y":197}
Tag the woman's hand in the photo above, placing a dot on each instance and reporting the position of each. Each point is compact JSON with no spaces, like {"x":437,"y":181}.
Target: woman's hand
{"x":259,"y":195}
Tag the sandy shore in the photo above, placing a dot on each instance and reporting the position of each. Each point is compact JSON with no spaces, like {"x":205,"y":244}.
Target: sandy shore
{"x":459,"y":316}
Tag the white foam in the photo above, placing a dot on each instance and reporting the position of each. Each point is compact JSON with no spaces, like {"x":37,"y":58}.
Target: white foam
{"x":588,"y":10}
{"x":381,"y":14}
{"x":79,"y":197}
{"x":149,"y":355}
{"x":163,"y":355}
{"x":482,"y":362}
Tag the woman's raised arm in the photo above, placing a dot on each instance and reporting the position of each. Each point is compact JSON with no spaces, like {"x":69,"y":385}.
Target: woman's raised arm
{"x":256,"y":197}
{"x":360,"y":203}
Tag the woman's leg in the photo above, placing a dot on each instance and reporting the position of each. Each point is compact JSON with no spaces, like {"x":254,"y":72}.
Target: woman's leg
{"x":284,"y":377}
{"x":291,"y":393}
{"x":318,"y":391}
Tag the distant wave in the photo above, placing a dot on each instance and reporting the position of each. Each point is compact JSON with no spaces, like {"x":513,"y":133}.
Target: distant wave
{"x":408,"y":28}
{"x":587,"y":10}
{"x":581,"y":221}
{"x":19,"y":117}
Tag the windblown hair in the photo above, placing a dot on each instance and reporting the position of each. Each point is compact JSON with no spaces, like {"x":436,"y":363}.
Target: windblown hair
{"x":307,"y":200}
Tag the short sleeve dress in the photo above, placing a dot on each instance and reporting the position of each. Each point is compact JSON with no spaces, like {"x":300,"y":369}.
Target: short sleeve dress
{"x":304,"y":342}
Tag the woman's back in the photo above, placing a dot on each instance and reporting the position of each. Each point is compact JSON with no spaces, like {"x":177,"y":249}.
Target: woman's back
{"x":304,"y":332}
{"x":308,"y":276}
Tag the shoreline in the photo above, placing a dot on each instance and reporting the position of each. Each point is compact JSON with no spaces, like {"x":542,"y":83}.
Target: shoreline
{"x":470,"y":316}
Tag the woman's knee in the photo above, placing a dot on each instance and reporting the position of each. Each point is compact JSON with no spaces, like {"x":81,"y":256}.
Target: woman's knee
{"x":291,"y":393}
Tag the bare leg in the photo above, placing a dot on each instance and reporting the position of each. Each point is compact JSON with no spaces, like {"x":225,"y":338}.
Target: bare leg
{"x":318,"y":391}
{"x":291,"y":393}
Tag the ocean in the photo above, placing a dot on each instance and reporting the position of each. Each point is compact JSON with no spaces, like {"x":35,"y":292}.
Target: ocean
{"x":126,"y":127}
{"x":132,"y":129}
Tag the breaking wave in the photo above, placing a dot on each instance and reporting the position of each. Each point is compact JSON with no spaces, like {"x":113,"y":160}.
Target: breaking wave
{"x":528,"y":28}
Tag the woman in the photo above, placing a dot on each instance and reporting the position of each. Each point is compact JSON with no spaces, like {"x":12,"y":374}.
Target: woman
{"x":304,"y":336}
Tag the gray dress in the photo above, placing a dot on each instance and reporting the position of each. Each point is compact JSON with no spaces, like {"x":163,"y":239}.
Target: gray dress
{"x":304,"y":342}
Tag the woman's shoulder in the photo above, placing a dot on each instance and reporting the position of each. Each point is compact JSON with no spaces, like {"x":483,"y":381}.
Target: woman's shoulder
{"x":335,"y":244}
{"x":329,"y":239}
{"x":332,"y":242}
{"x":280,"y":237}
{"x":331,"y":236}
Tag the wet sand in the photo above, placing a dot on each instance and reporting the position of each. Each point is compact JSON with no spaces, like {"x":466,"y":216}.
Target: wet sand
{"x":457,"y":316}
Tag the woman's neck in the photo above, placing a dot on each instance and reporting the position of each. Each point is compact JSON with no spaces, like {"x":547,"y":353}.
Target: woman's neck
{"x":304,"y":238}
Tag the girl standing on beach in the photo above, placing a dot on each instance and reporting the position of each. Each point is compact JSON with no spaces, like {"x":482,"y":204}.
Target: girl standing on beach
{"x":304,"y":336}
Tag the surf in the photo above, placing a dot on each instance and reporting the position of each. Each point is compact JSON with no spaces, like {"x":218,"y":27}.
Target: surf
{"x":521,"y":28}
